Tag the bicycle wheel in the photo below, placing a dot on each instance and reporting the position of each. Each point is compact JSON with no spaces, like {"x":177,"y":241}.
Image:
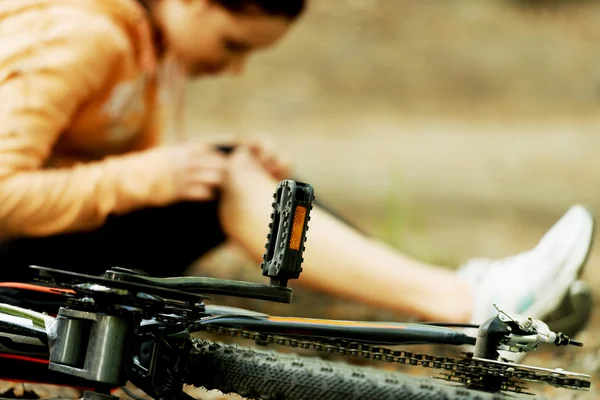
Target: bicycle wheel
{"x":254,"y":373}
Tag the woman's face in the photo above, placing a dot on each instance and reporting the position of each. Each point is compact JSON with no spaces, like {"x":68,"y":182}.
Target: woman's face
{"x":208,"y":39}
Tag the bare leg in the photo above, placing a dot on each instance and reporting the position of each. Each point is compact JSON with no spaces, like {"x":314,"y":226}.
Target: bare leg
{"x":339,"y":260}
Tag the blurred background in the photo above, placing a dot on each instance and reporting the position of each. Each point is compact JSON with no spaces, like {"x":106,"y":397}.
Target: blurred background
{"x":450,"y":129}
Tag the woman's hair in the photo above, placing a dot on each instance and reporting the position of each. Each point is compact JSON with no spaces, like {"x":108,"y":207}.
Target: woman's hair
{"x":281,"y":8}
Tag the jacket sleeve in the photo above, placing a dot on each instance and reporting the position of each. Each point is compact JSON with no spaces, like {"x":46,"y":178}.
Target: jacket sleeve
{"x":46,"y":73}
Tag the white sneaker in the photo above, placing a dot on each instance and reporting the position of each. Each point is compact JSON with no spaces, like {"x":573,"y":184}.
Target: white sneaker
{"x":535,"y":282}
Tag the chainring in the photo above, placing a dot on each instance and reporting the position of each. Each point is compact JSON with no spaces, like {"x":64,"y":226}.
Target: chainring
{"x":475,"y":373}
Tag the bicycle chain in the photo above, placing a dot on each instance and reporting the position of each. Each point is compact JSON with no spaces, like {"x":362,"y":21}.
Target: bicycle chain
{"x":474,"y":373}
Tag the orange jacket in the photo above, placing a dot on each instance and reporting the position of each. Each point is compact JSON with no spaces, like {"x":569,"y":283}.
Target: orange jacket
{"x":77,"y":103}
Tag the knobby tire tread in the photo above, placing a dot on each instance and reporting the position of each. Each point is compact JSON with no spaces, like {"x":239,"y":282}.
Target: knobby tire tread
{"x":268,"y":375}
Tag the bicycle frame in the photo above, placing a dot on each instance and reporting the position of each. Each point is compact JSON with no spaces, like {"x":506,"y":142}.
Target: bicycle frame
{"x":99,"y":350}
{"x":127,"y":327}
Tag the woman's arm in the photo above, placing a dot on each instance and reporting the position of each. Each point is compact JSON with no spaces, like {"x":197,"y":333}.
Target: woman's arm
{"x":47,"y":71}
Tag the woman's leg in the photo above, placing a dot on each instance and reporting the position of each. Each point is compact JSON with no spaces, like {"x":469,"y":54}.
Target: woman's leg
{"x":344,"y":262}
{"x":340,"y":260}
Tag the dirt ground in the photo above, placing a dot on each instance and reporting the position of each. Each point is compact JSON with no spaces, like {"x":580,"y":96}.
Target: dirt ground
{"x":448,"y":129}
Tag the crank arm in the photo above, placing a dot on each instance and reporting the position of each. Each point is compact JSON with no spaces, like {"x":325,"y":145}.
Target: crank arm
{"x":389,"y":333}
{"x":205,"y":285}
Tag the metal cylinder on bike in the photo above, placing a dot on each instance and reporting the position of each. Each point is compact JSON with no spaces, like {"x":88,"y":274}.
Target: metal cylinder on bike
{"x":89,"y":345}
{"x":489,"y":336}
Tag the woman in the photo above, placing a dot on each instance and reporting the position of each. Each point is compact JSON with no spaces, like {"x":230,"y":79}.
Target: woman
{"x":86,"y":184}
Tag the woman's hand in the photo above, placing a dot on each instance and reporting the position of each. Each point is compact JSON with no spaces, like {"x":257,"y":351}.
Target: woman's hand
{"x":276,"y":164}
{"x":199,"y":169}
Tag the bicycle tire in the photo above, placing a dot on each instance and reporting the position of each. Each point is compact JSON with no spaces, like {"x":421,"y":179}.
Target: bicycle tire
{"x":268,"y":375}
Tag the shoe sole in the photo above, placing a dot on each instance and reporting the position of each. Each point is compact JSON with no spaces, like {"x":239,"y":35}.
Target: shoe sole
{"x":575,"y":312}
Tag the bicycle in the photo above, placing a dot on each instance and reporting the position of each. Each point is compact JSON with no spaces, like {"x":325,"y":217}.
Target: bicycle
{"x":125,"y":327}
